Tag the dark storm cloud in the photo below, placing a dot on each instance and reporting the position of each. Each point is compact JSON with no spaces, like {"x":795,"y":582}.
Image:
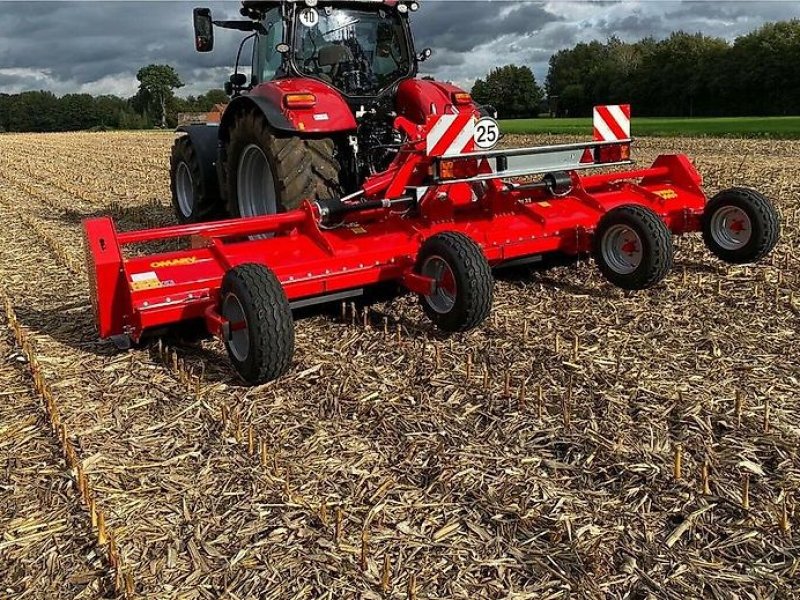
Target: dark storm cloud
{"x":461,"y":25}
{"x":635,"y":26}
{"x":727,"y":11}
{"x":83,"y":42}
{"x":98,"y":46}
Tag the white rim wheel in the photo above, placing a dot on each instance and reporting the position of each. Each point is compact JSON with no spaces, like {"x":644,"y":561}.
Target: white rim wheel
{"x":239,"y":340}
{"x":731,"y":228}
{"x":184,"y":188}
{"x":622,"y":249}
{"x":255,"y":184}
{"x":443,"y":298}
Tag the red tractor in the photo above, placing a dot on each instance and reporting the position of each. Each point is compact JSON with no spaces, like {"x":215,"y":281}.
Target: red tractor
{"x":315,"y":117}
{"x":336,"y":172}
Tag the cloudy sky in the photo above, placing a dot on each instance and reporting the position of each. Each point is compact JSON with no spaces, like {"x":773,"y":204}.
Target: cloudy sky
{"x":97,"y":47}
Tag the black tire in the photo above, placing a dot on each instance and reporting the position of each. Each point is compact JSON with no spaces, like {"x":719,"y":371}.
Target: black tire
{"x":267,"y":351}
{"x":303,"y":168}
{"x":650,"y":257}
{"x":471,"y":299}
{"x":204,"y":205}
{"x":733,"y":247}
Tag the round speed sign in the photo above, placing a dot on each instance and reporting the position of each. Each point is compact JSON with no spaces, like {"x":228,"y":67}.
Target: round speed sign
{"x":487,"y":133}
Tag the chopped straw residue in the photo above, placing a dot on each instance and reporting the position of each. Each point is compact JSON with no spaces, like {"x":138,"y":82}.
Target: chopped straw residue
{"x":584,"y":442}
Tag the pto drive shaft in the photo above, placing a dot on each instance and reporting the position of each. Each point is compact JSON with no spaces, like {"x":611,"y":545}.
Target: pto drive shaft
{"x":333,"y":210}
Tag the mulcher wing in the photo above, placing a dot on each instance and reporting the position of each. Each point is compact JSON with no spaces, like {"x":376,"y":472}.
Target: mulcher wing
{"x":435,"y":222}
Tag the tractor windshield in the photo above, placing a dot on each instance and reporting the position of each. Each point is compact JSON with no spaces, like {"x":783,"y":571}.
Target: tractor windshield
{"x":361,"y":52}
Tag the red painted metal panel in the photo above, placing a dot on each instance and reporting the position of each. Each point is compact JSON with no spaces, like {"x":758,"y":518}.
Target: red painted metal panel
{"x":330,"y":113}
{"x":110,"y":293}
{"x":417,"y":99}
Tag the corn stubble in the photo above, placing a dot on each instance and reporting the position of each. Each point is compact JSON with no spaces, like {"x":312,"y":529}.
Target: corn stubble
{"x":584,"y":439}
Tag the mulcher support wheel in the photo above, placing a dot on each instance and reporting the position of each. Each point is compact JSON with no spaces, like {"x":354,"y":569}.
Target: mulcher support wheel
{"x":260,"y":341}
{"x":464,"y":285}
{"x":192,"y":202}
{"x":633,"y":247}
{"x":740,"y":226}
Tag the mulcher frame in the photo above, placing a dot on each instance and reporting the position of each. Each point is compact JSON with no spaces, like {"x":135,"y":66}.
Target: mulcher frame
{"x":380,"y":232}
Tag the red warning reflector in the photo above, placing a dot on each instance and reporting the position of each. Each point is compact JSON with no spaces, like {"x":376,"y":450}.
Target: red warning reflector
{"x":458,"y":169}
{"x":588,"y":157}
{"x":614,"y":153}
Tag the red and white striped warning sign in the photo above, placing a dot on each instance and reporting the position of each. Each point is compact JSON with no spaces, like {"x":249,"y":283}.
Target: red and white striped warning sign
{"x":612,"y":123}
{"x":451,"y":134}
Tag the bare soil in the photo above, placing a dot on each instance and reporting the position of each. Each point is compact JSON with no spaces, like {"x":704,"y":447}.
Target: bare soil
{"x":532,"y":458}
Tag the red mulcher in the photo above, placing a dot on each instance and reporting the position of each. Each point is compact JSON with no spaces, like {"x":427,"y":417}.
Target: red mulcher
{"x":349,"y":173}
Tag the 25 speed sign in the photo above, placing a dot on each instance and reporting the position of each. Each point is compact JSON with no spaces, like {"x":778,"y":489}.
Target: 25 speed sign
{"x":487,"y":133}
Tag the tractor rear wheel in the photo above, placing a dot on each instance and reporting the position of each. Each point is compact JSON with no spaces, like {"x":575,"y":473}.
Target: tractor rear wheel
{"x":464,"y":285}
{"x":633,"y":247}
{"x":260,"y":340}
{"x":268,"y":173}
{"x":192,"y":202}
{"x":740,"y":226}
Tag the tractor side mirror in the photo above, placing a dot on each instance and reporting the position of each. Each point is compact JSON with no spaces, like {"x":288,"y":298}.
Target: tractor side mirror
{"x":203,"y":30}
{"x":238,"y":80}
{"x":424,"y":55}
{"x":235,"y":84}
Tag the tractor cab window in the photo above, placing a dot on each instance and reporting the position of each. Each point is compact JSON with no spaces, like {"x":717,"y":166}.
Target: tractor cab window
{"x":269,"y":59}
{"x":360,"y":52}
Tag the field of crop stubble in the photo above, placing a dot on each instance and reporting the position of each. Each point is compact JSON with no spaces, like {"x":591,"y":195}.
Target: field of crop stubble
{"x":585,"y":442}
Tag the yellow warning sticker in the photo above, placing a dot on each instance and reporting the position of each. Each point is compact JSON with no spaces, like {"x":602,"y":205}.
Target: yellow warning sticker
{"x":145,"y":285}
{"x":174,"y":262}
{"x":144,"y":281}
{"x":666,"y":194}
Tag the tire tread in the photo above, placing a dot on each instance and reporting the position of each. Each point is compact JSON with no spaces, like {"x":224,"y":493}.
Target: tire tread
{"x":477,"y":302}
{"x":658,"y":239}
{"x":272,"y":331}
{"x":305,"y":168}
{"x":765,"y":216}
{"x":208,"y":202}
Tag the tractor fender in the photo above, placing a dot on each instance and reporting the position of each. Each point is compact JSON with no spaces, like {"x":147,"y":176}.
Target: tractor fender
{"x":329,"y":114}
{"x":205,"y":141}
{"x":417,"y":99}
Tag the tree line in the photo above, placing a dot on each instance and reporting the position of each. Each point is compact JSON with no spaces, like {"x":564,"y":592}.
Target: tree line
{"x":684,"y":75}
{"x":154,"y":104}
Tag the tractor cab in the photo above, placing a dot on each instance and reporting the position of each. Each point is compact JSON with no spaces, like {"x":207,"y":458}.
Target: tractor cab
{"x":317,"y":116}
{"x":361,"y":48}
{"x":360,"y":51}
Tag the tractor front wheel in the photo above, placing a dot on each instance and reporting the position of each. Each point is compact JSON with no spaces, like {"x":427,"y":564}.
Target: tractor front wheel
{"x":192,"y":202}
{"x":740,"y":226}
{"x":633,"y":247}
{"x":462,"y":298}
{"x":260,"y":332}
{"x":268,"y":173}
